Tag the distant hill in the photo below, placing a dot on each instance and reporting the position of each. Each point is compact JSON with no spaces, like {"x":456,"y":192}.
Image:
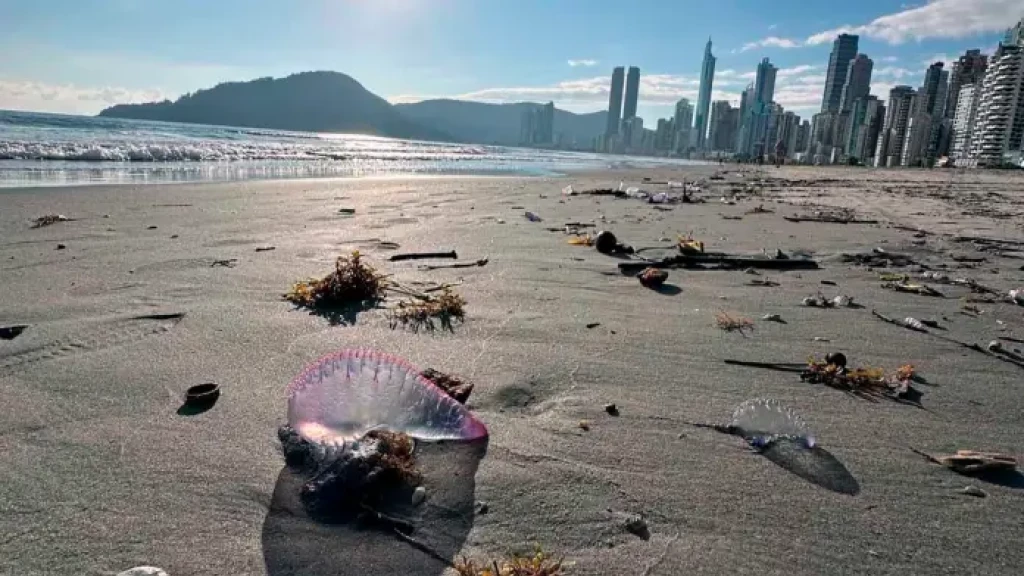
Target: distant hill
{"x":308,"y":101}
{"x":497,"y":123}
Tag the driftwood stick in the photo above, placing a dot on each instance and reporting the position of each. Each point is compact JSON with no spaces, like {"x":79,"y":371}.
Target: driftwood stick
{"x":722,"y":261}
{"x":1010,"y":359}
{"x":473,"y":264}
{"x":423,"y":256}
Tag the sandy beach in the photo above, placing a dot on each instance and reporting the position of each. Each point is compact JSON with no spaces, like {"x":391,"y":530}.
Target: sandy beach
{"x":161,"y":287}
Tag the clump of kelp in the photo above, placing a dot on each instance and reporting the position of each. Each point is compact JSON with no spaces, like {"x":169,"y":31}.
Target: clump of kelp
{"x":538,"y":564}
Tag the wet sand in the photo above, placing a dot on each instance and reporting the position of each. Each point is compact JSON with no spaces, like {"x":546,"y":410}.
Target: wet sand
{"x":161,"y":287}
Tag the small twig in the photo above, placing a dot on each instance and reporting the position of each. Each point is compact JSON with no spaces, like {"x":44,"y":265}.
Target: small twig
{"x":474,"y":264}
{"x":781,"y":367}
{"x":423,"y":256}
{"x":229,"y":263}
{"x":400,"y":528}
{"x":925,"y":454}
{"x":1011,"y":359}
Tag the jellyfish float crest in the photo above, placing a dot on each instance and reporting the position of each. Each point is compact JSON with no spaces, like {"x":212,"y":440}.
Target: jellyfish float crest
{"x":764,"y":420}
{"x":341,"y":397}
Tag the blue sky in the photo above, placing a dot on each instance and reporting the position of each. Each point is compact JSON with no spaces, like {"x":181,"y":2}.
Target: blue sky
{"x":78,"y":56}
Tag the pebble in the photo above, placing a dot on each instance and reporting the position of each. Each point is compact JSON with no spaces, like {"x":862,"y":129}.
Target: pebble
{"x":994,"y":346}
{"x":419,"y":495}
{"x":636,"y":525}
{"x":611,"y":409}
{"x":61,"y":246}
{"x":973,"y":491}
{"x":772,"y":318}
{"x":584,"y":425}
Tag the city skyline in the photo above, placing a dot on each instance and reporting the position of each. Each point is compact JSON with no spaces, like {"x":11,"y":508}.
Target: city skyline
{"x":81,"y":56}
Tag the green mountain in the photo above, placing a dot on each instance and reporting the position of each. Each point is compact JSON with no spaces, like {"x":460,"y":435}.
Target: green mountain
{"x":308,"y":101}
{"x":498,"y":123}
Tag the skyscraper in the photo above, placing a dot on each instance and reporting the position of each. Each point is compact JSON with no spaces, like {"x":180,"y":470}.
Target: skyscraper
{"x":844,"y":49}
{"x":1015,"y":36}
{"x":999,"y":121}
{"x":968,"y":69}
{"x":683,"y":122}
{"x":756,"y":121}
{"x":632,"y":92}
{"x":615,"y":102}
{"x":889,"y":151}
{"x":964,"y":119}
{"x":865,"y":123}
{"x":721,"y":133}
{"x":930,"y":90}
{"x":764,"y":85}
{"x":707,"y":77}
{"x":857,"y":83}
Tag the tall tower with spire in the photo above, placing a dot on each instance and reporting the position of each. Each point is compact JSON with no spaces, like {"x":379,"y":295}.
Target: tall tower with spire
{"x":707,"y":77}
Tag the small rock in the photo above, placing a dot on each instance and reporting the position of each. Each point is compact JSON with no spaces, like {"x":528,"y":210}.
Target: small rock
{"x":973,"y":491}
{"x":995,"y":346}
{"x":61,"y":246}
{"x":772,"y":318}
{"x":501,"y":220}
{"x":636,"y":524}
{"x":584,"y":425}
{"x":810,"y":301}
{"x":418,"y":495}
{"x":593,"y":325}
{"x":482,"y":508}
{"x":611,"y":409}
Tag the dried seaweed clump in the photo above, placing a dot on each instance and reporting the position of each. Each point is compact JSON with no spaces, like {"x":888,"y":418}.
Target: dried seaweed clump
{"x":351,"y":282}
{"x":540,"y":564}
{"x":445,"y":308}
{"x":864,"y":381}
{"x":733,"y":323}
{"x":453,"y":386}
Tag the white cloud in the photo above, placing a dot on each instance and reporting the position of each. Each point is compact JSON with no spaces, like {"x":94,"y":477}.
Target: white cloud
{"x":584,"y":62}
{"x":773,"y":26}
{"x":68,"y":98}
{"x":796,"y":70}
{"x":936,"y":19}
{"x":889,"y":59}
{"x":771,"y":42}
{"x":894,"y":72}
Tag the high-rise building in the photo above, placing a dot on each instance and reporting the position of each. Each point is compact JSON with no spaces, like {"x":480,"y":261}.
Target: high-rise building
{"x":968,"y":69}
{"x":722,"y":136}
{"x":803,"y":137}
{"x":889,"y":151}
{"x":866,"y":121}
{"x":844,"y":49}
{"x":683,"y":121}
{"x":764,"y":85}
{"x":964,"y":120}
{"x":919,"y":129}
{"x":999,"y":121}
{"x":633,"y":133}
{"x":663,"y":136}
{"x":707,"y":77}
{"x":615,"y":102}
{"x":746,"y":101}
{"x":857,"y":83}
{"x":1015,"y":36}
{"x":938,"y":142}
{"x":930,"y":90}
{"x":632,"y":92}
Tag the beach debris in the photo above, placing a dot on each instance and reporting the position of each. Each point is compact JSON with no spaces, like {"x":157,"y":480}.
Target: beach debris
{"x":607,"y":243}
{"x":611,"y":409}
{"x":731,"y":323}
{"x":752,"y":271}
{"x":763,"y":282}
{"x":453,"y":386}
{"x":973,"y":491}
{"x":772,"y":318}
{"x":837,"y":216}
{"x":473,"y":264}
{"x":341,"y":397}
{"x":828,"y":283}
{"x":49,"y":219}
{"x":995,"y":346}
{"x":423,"y":256}
{"x":652,"y":277}
{"x":687,"y":245}
{"x":593,"y":324}
{"x":226,"y":263}
{"x":759,"y":209}
{"x":500,"y":220}
{"x":143,"y":571}
{"x":581,"y":240}
{"x":265,"y":248}
{"x":347,"y":211}
{"x":914,"y":324}
{"x":584,"y":425}
{"x":151,"y":228}
{"x":1017,"y":296}
{"x":878,"y":258}
{"x":1002,"y":354}
{"x":568,"y":191}
{"x":533,"y":217}
{"x":351,"y":282}
{"x":821,"y":339}
{"x":446,"y":307}
{"x":539,"y":564}
{"x":482,"y":508}
{"x":637,"y":526}
{"x":909,"y":288}
{"x":202,"y":395}
{"x":834,"y":373}
{"x":718,"y":261}
{"x":174,"y":236}
{"x":61,"y":246}
{"x":821,"y":301}
{"x":12,"y":332}
{"x":972,"y":463}
{"x":727,"y":201}
{"x":419,"y":495}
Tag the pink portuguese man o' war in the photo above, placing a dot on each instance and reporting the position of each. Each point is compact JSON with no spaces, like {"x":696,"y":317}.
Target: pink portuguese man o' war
{"x":339,"y":398}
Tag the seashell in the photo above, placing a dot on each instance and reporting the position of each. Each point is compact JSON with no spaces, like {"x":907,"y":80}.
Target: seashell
{"x":342,"y":396}
{"x":762,"y":420}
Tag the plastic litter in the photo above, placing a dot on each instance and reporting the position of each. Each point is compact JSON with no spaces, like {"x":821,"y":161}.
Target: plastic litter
{"x":1017,"y":296}
{"x":568,"y":191}
{"x":672,"y":184}
{"x":659,"y":198}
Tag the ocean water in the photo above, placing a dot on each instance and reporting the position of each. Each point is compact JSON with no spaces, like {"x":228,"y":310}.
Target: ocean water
{"x":54,"y":150}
